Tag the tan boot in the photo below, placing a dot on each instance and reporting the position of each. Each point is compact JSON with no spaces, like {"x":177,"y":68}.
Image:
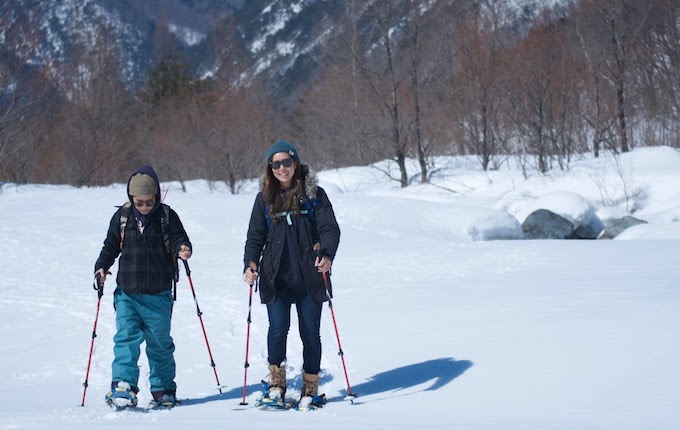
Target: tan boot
{"x":277,"y":381}
{"x":310,"y":384}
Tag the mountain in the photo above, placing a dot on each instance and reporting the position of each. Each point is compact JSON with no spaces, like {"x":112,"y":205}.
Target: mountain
{"x":59,"y":29}
{"x":282,"y":40}
{"x":289,"y":40}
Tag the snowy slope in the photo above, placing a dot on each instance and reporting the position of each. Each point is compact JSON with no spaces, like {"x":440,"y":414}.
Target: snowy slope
{"x":440,"y":329}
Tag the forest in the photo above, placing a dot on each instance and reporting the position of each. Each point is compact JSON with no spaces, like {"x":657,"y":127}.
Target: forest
{"x":398,"y":80}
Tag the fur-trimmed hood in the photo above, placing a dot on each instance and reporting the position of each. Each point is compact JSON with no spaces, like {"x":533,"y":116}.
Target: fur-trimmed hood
{"x":309,"y":179}
{"x":269,"y":237}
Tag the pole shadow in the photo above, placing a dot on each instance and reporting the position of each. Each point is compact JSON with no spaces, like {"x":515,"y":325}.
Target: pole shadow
{"x":233,"y":394}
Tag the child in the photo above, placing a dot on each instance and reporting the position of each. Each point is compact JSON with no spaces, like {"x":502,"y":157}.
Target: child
{"x":149,"y":237}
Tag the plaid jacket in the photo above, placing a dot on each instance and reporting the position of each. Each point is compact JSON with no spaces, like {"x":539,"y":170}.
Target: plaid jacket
{"x":144,"y":265}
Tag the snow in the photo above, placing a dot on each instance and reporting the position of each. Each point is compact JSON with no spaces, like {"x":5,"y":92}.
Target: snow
{"x":278,"y":16}
{"x":187,"y":35}
{"x":285,"y":48}
{"x":569,"y":205}
{"x":440,"y":327}
{"x":276,"y":24}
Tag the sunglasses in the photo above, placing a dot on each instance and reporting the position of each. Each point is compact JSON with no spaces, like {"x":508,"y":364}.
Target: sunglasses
{"x":277,"y":164}
{"x":140,"y":203}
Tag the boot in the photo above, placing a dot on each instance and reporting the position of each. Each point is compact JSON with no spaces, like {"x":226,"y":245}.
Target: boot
{"x":310,"y":384}
{"x":164,"y":399}
{"x":277,"y":381}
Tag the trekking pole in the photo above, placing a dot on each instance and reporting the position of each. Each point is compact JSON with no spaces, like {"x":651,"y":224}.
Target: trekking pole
{"x":337,"y":336}
{"x":98,"y":285}
{"x":247,"y":365}
{"x":198,"y":311}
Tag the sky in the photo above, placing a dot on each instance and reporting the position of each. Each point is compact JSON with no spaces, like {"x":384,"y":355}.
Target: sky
{"x":446,"y":316}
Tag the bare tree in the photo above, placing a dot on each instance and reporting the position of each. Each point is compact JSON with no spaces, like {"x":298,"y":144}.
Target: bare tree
{"x":476,"y":77}
{"x":242,"y":126}
{"x":421,"y":32}
{"x":384,"y":81}
{"x":544,"y":92}
{"x":93,"y":126}
{"x":609,"y":30}
{"x":333,"y":116}
{"x":658,"y":82}
{"x":25,"y":97}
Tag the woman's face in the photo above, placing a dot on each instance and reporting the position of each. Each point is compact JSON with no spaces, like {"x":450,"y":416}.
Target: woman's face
{"x":284,"y":174}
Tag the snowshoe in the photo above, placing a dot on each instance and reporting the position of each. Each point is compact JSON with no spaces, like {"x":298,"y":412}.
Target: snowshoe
{"x":273,"y":399}
{"x":310,"y":403}
{"x":121,"y":397}
{"x":167,"y":401}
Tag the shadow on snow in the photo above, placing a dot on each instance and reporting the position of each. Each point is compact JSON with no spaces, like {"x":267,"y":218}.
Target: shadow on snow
{"x":440,"y":371}
{"x":237,"y":393}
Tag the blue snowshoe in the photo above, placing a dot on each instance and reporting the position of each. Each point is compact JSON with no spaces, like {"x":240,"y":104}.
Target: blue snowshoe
{"x":274,"y":399}
{"x":122,"y":396}
{"x":310,"y":403}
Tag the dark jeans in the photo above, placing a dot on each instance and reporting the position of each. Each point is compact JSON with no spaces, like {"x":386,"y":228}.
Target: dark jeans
{"x":309,"y":323}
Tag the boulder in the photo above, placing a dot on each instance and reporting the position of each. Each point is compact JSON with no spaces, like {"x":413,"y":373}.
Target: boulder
{"x":544,"y":224}
{"x":591,"y":230}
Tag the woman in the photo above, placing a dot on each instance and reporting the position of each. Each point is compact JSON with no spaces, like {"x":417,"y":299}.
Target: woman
{"x":291,"y":243}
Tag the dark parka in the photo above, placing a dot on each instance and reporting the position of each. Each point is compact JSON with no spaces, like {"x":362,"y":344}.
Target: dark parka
{"x":264,"y":245}
{"x":144,"y":266}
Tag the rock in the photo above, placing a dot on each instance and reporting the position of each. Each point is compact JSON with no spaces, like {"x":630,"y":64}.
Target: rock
{"x":591,"y":230}
{"x":544,"y":224}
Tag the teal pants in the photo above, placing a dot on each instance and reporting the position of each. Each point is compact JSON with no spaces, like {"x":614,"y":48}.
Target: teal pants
{"x":144,"y":318}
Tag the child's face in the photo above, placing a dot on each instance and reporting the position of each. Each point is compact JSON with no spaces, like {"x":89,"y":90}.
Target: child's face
{"x":145,"y":203}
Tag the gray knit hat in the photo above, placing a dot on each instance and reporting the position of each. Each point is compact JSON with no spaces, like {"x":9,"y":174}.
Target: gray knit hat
{"x":142,"y":184}
{"x":282,"y":146}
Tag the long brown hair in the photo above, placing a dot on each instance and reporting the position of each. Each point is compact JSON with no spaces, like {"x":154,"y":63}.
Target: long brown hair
{"x":274,"y":196}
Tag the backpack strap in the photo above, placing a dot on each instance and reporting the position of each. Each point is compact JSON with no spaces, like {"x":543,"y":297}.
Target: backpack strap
{"x":266,"y":215}
{"x":165,"y":227}
{"x":126,"y":211}
{"x":310,"y":207}
{"x":308,"y":210}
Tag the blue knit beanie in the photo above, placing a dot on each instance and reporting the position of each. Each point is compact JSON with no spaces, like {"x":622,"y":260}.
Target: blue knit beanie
{"x":282,"y":146}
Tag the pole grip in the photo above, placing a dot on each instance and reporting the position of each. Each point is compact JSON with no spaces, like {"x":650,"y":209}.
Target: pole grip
{"x":98,"y":285}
